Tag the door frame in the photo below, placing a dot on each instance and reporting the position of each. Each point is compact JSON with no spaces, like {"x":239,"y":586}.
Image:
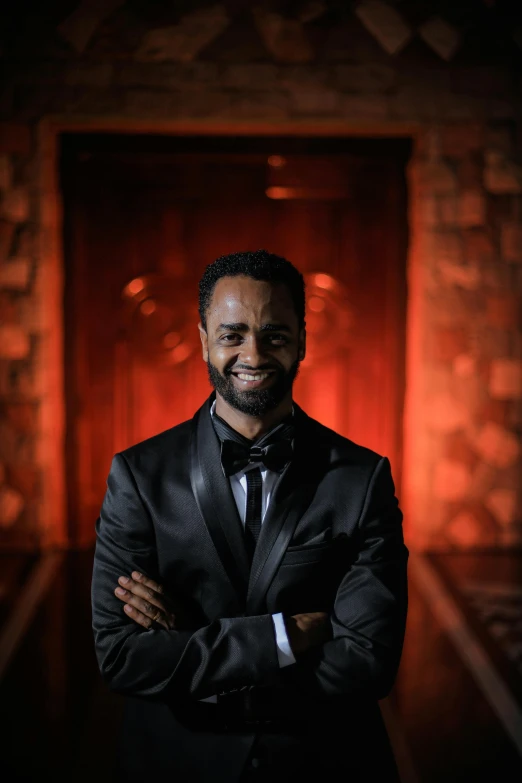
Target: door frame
{"x":53,"y":523}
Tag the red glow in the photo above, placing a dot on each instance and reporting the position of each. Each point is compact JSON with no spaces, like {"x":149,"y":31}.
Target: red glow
{"x":324,"y":281}
{"x":316,"y":304}
{"x":276,"y":161}
{"x":148,"y":307}
{"x":134,"y":287}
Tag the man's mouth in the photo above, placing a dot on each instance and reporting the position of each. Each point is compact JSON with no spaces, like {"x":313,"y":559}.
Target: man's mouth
{"x":253,"y":379}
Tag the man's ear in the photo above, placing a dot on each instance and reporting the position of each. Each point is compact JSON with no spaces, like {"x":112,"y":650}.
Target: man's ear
{"x":302,"y":344}
{"x":203,"y":336}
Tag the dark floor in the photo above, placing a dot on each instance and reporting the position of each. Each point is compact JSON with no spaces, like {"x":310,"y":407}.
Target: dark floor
{"x":60,"y":722}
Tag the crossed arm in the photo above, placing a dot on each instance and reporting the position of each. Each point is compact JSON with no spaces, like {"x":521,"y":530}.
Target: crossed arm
{"x":146,"y":603}
{"x":364,"y":630}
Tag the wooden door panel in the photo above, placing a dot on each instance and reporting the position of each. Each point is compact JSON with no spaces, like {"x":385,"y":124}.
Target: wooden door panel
{"x":132,"y":224}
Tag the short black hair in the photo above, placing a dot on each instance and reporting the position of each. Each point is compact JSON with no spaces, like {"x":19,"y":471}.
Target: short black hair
{"x":260,"y":265}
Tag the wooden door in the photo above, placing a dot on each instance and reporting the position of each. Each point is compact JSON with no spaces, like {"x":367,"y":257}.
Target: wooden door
{"x":141,"y":223}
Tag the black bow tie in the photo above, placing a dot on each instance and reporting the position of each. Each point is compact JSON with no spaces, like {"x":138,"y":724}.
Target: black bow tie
{"x":235,"y":456}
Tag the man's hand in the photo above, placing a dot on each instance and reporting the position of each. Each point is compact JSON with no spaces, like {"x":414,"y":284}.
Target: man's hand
{"x":307,"y":630}
{"x":145,"y":602}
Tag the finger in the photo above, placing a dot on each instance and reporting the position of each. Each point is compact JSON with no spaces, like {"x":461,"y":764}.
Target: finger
{"x":149,"y":610}
{"x":142,"y":619}
{"x":147,"y":593}
{"x":144,"y":580}
{"x":137,"y":616}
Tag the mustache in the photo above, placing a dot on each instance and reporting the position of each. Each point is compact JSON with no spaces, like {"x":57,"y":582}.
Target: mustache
{"x":240,"y":367}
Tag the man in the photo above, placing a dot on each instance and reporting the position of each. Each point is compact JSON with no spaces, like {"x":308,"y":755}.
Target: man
{"x":249,"y":585}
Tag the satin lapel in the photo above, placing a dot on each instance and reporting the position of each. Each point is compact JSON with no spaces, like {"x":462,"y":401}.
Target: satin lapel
{"x":292,"y":496}
{"x":216,"y":501}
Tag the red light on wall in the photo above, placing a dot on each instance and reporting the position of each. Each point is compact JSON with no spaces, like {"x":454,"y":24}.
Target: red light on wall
{"x":134,"y":287}
{"x":148,"y":307}
{"x":276,"y":161}
{"x":324,"y":281}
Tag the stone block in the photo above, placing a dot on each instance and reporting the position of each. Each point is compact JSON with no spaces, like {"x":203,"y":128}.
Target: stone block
{"x":25,"y":242}
{"x":451,"y":480}
{"x":385,"y":23}
{"x":15,"y":274}
{"x":315,"y":102}
{"x":15,"y":138}
{"x":79,"y":26}
{"x":497,"y":446}
{"x":9,"y":308}
{"x":265,"y":105}
{"x":171,"y":76}
{"x":501,"y":175}
{"x":459,"y":140}
{"x":367,"y":78}
{"x":464,"y":365}
{"x":445,"y":414}
{"x":24,"y":477}
{"x":15,"y":205}
{"x":503,"y":311}
{"x":184,"y":41}
{"x":469,"y":173}
{"x":448,"y":247}
{"x":251,"y":76}
{"x":466,"y":276}
{"x":440,"y":36}
{"x":496,"y":411}
{"x":169,"y":105}
{"x":497,"y":276}
{"x":503,"y":504}
{"x":284,"y":38}
{"x":464,"y":530}
{"x":436,"y":177}
{"x":505,"y":381}
{"x":414,"y":104}
{"x":490,"y":344}
{"x":11,"y":506}
{"x":511,"y":241}
{"x":364,"y":108}
{"x":472,"y":209}
{"x":14,"y":342}
{"x":499,"y":137}
{"x":449,"y":210}
{"x":483,"y":479}
{"x":447,"y":344}
{"x":428,"y":211}
{"x":22,"y":416}
{"x":478,"y":246}
{"x":7,"y":232}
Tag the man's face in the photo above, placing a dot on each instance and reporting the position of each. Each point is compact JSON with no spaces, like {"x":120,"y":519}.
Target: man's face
{"x":253,"y":344}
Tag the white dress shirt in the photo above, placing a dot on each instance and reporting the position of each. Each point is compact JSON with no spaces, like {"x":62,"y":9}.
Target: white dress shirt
{"x":238,"y":485}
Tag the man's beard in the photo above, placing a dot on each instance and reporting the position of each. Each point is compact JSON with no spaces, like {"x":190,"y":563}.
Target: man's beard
{"x":253,"y":402}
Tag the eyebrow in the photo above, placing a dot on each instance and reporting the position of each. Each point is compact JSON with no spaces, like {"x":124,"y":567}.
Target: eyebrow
{"x":241,"y":327}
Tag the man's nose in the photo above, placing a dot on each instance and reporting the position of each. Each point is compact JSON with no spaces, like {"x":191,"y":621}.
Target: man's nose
{"x":252,"y":351}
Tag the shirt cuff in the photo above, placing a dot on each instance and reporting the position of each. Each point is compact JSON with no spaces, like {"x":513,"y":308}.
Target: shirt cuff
{"x":285,"y":655}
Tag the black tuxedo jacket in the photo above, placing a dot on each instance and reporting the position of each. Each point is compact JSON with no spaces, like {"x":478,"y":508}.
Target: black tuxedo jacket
{"x":331,"y":541}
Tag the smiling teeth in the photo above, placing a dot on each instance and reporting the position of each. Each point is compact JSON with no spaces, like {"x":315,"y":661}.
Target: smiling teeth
{"x":245,"y":377}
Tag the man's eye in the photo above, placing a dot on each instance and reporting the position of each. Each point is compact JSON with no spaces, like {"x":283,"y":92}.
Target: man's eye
{"x":278,"y":339}
{"x":229,"y":338}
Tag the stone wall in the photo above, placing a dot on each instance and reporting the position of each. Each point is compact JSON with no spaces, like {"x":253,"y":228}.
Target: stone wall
{"x":363,"y":70}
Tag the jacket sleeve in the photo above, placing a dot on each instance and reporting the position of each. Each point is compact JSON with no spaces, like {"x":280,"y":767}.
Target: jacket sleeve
{"x":225,"y":655}
{"x":369,"y":613}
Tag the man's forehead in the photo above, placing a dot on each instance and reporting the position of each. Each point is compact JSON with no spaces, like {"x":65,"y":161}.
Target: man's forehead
{"x":246,"y":292}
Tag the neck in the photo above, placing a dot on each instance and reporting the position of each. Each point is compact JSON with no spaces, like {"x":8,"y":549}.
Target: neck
{"x":253,"y":427}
